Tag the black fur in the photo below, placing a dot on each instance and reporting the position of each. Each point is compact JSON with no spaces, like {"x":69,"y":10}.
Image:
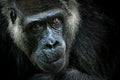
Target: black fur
{"x":92,"y":56}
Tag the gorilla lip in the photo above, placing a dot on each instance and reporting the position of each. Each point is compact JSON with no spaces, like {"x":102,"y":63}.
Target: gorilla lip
{"x":53,"y":59}
{"x":54,"y":67}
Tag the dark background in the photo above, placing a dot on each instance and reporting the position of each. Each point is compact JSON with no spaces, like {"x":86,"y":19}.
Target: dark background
{"x":110,"y":7}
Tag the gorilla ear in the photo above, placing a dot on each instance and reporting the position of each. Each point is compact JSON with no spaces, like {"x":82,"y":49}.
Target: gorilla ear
{"x":13,"y":15}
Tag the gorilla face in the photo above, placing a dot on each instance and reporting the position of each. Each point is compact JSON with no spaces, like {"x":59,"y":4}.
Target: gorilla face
{"x":45,"y":31}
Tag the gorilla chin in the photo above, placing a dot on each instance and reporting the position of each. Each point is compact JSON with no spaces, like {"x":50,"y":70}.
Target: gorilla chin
{"x":53,"y":67}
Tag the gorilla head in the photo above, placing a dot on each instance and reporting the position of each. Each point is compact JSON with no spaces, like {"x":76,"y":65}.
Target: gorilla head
{"x":41,"y":30}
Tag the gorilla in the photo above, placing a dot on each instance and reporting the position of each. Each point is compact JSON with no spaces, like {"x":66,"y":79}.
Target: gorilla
{"x":55,"y":40}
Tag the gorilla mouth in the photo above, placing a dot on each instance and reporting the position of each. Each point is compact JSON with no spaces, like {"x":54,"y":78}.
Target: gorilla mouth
{"x":52,"y":66}
{"x":52,"y":57}
{"x":51,"y":63}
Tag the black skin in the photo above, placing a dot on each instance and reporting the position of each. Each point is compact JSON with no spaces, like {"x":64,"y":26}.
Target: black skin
{"x":52,"y":54}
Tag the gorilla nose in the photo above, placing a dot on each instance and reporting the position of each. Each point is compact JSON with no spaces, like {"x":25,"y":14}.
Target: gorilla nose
{"x":51,"y":44}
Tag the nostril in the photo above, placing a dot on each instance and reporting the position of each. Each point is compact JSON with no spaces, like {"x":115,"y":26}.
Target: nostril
{"x":56,"y":44}
{"x":49,"y":46}
{"x":52,"y":45}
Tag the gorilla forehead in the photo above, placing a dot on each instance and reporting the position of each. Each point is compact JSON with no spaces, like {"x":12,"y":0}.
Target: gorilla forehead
{"x":36,"y":6}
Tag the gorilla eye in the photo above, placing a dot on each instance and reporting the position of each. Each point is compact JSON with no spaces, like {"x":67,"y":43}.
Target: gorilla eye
{"x":37,"y":26}
{"x":56,"y":22}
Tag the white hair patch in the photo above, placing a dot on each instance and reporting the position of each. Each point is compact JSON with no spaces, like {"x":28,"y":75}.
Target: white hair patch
{"x":17,"y":34}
